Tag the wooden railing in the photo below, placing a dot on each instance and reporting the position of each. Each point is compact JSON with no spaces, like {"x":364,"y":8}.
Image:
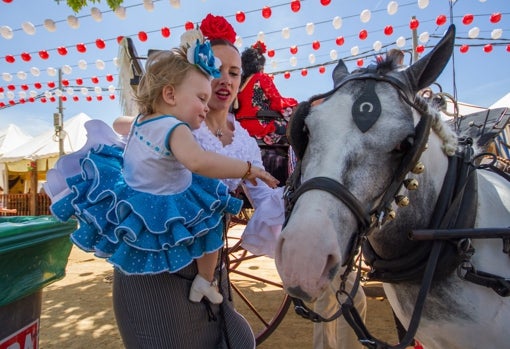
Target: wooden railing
{"x":19,"y":205}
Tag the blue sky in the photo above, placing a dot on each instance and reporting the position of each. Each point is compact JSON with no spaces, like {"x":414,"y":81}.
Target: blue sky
{"x":476,"y":77}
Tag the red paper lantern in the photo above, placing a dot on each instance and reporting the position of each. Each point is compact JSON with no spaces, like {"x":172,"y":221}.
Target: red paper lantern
{"x":293,"y":49}
{"x":99,"y":98}
{"x":10,"y":59}
{"x":11,"y":102}
{"x":286,"y":75}
{"x":112,"y":97}
{"x":464,"y":48}
{"x":88,"y":98}
{"x":508,"y":48}
{"x":304,"y":72}
{"x":322,"y":69}
{"x":487,"y":48}
{"x":359,"y":62}
{"x":420,"y":48}
{"x":22,"y":101}
{"x":7,"y":1}
{"x":26,"y":56}
{"x":2,"y":104}
{"x":81,"y":48}
{"x":24,"y":87}
{"x":44,"y":54}
{"x":43,"y":100}
{"x":109,"y":77}
{"x":79,"y":81}
{"x":62,"y":50}
{"x":100,"y":44}
{"x":495,"y":17}
{"x":119,"y":39}
{"x":165,"y":32}
{"x":37,"y":85}
{"x":441,"y":20}
{"x":340,"y":40}
{"x":51,"y":84}
{"x":189,"y":25}
{"x":52,"y":99}
{"x":388,"y":30}
{"x":76,"y":98}
{"x":1,"y":89}
{"x":414,"y":24}
{"x":11,"y":87}
{"x":240,"y":16}
{"x":63,"y":98}
{"x":65,"y":82}
{"x":94,"y":79}
{"x":142,"y":36}
{"x":266,"y":12}
{"x":270,"y":53}
{"x":467,"y":19}
{"x":363,"y":34}
{"x":295,"y":5}
{"x":325,"y":2}
{"x":316,"y":45}
{"x":31,"y":99}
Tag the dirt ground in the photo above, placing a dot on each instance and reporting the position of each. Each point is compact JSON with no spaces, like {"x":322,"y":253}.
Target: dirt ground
{"x":77,"y":311}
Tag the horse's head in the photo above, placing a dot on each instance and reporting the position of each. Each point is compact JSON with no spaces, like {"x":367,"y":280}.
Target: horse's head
{"x":359,"y":140}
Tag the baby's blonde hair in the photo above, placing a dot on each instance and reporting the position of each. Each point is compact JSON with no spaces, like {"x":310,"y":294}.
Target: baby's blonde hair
{"x":163,"y":68}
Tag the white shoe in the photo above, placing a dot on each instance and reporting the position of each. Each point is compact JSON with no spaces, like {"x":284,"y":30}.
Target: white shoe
{"x":203,"y":288}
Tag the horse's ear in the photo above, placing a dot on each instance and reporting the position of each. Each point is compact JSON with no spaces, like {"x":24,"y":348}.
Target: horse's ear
{"x":426,"y":70}
{"x":339,"y":73}
{"x":296,"y":130}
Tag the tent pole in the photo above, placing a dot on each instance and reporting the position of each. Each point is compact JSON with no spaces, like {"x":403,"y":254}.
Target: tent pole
{"x":60,"y":132}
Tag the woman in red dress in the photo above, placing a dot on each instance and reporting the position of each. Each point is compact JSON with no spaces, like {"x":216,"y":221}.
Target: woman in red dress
{"x":261,"y":109}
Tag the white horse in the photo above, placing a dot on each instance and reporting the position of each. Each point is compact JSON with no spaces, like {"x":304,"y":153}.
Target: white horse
{"x":356,"y":149}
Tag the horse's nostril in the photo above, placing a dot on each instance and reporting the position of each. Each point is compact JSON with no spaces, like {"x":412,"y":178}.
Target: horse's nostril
{"x":331,"y":268}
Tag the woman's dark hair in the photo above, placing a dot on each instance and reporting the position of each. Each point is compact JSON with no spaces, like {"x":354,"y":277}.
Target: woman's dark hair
{"x":252,"y":62}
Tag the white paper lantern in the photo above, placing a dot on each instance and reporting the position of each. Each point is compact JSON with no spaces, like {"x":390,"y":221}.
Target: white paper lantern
{"x":28,"y":28}
{"x":111,"y":89}
{"x":7,"y":77}
{"x":120,"y":12}
{"x":238,"y":42}
{"x":10,"y":95}
{"x":377,"y":46}
{"x":293,"y":61}
{"x":333,"y":54}
{"x":473,"y":32}
{"x":97,"y":90}
{"x":365,"y":16}
{"x":2,"y":95}
{"x":47,"y":94}
{"x":96,"y":14}
{"x":22,"y":94}
{"x":70,"y":91}
{"x":82,"y":64}
{"x":66,"y":69}
{"x":424,"y":37}
{"x":401,"y":42}
{"x":260,"y":36}
{"x":58,"y":92}
{"x":175,"y":3}
{"x":337,"y":22}
{"x":116,"y":61}
{"x":392,"y":8}
{"x":35,"y":71}
{"x":84,"y":91}
{"x":496,"y":33}
{"x":50,"y":26}
{"x":354,"y":50}
{"x":148,"y":5}
{"x":423,"y":4}
{"x":311,"y":58}
{"x":274,"y":64}
{"x":51,"y":71}
{"x":100,"y":64}
{"x":286,"y":33}
{"x":310,"y":28}
{"x":73,"y":22}
{"x":33,"y":93}
{"x":6,"y":32}
{"x":21,"y":75}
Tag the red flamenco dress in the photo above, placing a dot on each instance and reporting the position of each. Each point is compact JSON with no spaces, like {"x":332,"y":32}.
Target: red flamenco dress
{"x":259,"y":93}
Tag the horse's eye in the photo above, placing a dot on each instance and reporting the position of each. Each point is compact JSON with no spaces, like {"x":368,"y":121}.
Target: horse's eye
{"x":405,"y":145}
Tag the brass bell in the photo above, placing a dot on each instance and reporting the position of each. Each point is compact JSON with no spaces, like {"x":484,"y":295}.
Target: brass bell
{"x":401,"y":200}
{"x":411,"y":183}
{"x":418,"y":168}
{"x":390,"y":215}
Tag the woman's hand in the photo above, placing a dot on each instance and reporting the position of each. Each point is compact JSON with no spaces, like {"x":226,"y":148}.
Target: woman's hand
{"x":257,"y":172}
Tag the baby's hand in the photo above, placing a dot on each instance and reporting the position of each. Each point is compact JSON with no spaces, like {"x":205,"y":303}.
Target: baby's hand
{"x":266,"y":177}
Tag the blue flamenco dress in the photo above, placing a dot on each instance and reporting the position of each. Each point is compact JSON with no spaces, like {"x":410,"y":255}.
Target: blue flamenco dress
{"x":137,"y":206}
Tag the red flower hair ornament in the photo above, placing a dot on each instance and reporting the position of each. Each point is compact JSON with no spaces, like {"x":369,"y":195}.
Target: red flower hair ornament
{"x":217,"y":27}
{"x":260,"y":46}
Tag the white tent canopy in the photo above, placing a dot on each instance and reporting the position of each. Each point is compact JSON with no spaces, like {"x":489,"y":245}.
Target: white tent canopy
{"x":10,"y":138}
{"x":502,"y":102}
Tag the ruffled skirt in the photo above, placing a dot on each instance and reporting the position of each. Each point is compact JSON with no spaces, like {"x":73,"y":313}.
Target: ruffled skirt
{"x":139,"y":232}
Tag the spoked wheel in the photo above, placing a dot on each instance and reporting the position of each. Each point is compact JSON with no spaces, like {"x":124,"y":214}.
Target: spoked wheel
{"x":258,"y":291}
